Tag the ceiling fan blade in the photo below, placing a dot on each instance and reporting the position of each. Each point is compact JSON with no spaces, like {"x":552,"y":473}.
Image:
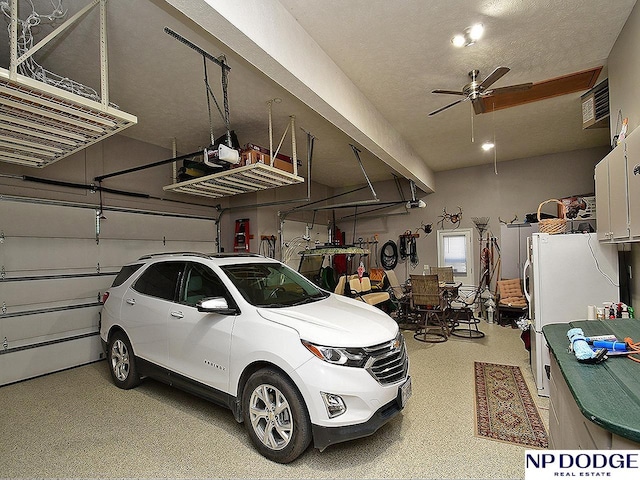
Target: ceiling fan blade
{"x":446,"y":106}
{"x":553,"y":87}
{"x":511,"y":88}
{"x":449,"y":92}
{"x":494,"y":76}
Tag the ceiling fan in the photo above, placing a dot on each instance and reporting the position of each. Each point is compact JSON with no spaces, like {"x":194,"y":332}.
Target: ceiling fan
{"x":476,"y":90}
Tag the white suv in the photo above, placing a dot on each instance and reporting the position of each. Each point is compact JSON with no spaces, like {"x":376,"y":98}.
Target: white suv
{"x":293,"y":362}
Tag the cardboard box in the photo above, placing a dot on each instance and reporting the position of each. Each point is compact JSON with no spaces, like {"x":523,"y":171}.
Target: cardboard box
{"x":252,"y":155}
{"x":283,"y":165}
{"x":249,"y":157}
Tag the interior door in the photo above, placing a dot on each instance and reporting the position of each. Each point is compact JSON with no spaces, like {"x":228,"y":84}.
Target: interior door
{"x":455,"y":249}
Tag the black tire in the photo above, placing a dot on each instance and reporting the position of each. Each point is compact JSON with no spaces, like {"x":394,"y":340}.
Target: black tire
{"x":122,"y":364}
{"x":280,"y":434}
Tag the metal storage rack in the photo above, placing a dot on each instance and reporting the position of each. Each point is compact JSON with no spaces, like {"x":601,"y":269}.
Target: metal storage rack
{"x":40,"y":124}
{"x":250,"y":178}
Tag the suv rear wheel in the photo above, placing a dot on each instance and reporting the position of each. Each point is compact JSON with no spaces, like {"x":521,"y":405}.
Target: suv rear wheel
{"x":275,"y":416}
{"x":122,"y":361}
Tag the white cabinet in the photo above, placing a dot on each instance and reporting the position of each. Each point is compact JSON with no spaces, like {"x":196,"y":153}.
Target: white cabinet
{"x":617,"y":179}
{"x":602,"y":200}
{"x":633,"y":184}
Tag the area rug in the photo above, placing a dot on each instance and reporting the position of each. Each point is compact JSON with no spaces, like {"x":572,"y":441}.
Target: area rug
{"x":505,"y":410}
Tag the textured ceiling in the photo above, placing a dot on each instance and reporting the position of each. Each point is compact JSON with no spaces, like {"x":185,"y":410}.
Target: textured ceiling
{"x":394,"y":52}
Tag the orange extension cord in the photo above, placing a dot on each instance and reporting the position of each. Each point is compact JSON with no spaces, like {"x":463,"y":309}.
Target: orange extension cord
{"x":634,"y":347}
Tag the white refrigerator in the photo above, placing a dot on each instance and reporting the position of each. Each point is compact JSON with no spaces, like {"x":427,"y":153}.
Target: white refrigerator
{"x":564,"y":274}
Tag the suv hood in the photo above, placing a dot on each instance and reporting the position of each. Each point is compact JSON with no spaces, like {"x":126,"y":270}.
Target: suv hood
{"x":336,"y":321}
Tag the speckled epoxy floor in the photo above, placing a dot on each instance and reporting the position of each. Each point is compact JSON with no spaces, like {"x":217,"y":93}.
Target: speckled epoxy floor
{"x":78,"y":424}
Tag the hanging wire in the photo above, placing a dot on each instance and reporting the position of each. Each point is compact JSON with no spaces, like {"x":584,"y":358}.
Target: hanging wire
{"x":268,"y":246}
{"x":495,"y":145}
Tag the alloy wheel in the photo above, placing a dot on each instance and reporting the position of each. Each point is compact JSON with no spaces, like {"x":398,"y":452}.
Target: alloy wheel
{"x":271,"y":417}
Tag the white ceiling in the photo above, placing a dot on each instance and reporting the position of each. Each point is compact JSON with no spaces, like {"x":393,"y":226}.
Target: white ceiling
{"x":395,"y":53}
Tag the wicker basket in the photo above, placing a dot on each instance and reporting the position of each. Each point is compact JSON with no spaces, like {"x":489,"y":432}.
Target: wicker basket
{"x":552,"y":225}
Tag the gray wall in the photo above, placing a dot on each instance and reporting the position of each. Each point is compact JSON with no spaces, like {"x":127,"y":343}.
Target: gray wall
{"x":518,"y":188}
{"x":624,"y":96}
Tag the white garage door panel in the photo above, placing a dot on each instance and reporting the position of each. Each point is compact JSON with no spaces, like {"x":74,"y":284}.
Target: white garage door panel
{"x":59,"y":242}
{"x":44,"y":327}
{"x":115,"y":253}
{"x":15,"y":366}
{"x":40,"y":255}
{"x":37,"y":220}
{"x":135,"y":226}
{"x":202,"y":247}
{"x":75,"y":290}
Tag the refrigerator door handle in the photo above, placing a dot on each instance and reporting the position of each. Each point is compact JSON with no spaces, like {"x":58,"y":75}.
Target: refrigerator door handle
{"x":527,"y":265}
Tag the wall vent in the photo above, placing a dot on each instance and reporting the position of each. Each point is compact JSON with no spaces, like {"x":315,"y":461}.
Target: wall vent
{"x":595,"y":106}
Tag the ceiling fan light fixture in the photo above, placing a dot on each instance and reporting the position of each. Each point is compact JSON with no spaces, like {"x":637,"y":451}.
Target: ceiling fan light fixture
{"x":470,"y":36}
{"x":486,"y":146}
{"x":458,"y":40}
{"x":476,"y":31}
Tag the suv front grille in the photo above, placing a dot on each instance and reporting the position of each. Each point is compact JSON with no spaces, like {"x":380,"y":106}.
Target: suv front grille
{"x":388,"y":362}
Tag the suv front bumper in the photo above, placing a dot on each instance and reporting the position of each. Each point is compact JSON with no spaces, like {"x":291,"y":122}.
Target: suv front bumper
{"x":325,"y":436}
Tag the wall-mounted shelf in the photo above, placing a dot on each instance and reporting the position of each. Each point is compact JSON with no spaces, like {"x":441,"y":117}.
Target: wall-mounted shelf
{"x":250,"y":178}
{"x":41,"y":124}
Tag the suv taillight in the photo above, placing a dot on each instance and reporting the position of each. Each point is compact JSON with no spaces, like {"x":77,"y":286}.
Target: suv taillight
{"x":105,"y":296}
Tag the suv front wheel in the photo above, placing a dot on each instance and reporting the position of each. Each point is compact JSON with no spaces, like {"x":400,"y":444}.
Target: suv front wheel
{"x":275,"y":416}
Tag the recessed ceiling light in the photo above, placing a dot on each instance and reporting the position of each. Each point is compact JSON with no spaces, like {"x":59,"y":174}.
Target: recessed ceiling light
{"x":470,"y":36}
{"x":486,"y":146}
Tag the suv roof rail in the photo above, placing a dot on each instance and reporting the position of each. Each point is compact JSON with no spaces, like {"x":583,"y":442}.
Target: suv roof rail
{"x":235,"y":254}
{"x":201,"y":255}
{"x":169,"y":254}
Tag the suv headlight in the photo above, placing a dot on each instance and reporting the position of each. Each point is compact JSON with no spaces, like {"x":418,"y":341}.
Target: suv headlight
{"x":350,"y":357}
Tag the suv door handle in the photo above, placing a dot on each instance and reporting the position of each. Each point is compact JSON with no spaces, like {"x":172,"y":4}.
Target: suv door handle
{"x":131,"y":301}
{"x":177,"y":314}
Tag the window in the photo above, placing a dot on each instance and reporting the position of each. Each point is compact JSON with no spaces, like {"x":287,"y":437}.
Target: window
{"x":125,"y":273}
{"x":201,"y":283}
{"x":454,"y":253}
{"x":160,"y":280}
{"x":272,"y":285}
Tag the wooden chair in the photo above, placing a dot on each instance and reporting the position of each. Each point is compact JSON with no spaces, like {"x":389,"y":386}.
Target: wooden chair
{"x":511,"y":301}
{"x":361,"y":290}
{"x":427,"y":302}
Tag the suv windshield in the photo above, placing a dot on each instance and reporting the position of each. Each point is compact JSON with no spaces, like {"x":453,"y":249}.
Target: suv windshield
{"x":272,"y":285}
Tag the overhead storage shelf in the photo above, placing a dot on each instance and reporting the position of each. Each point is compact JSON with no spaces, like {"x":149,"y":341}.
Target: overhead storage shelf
{"x":41,"y":124}
{"x":250,"y":178}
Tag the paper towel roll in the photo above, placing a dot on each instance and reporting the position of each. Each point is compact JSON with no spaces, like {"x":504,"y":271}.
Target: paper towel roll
{"x":591,"y":312}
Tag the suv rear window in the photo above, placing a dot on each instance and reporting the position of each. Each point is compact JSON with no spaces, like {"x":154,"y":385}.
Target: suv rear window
{"x":125,"y":273}
{"x":160,"y":280}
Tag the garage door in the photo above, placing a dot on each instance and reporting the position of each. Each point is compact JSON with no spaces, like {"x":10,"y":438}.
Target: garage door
{"x":56,"y":261}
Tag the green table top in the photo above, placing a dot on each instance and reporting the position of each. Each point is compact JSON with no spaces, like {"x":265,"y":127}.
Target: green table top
{"x":608,"y":393}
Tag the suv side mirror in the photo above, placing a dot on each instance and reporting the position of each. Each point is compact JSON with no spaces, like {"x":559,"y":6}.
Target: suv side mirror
{"x":216,"y":305}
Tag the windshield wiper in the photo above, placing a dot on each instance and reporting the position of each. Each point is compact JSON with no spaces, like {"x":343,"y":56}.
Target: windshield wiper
{"x":311,"y":299}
